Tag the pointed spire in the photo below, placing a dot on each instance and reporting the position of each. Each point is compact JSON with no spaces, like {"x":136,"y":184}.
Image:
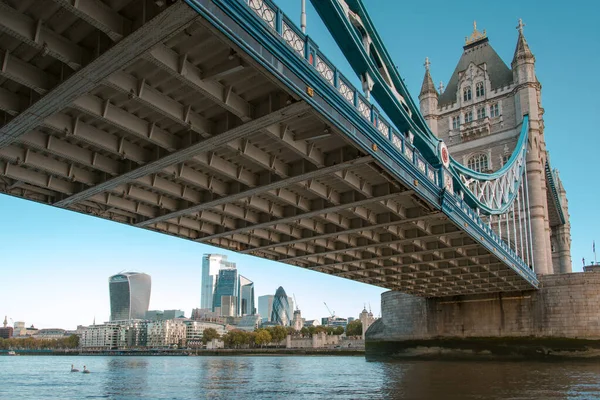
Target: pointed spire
{"x":428,"y":85}
{"x":5,"y":321}
{"x":522,"y":52}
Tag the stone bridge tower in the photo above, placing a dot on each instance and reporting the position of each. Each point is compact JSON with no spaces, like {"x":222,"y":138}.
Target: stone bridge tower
{"x":479,"y":116}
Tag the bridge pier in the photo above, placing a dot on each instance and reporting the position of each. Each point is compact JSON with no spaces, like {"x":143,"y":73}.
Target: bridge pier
{"x":561,"y":319}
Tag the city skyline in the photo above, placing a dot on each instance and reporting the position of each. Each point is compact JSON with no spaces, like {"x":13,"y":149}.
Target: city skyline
{"x":47,"y":249}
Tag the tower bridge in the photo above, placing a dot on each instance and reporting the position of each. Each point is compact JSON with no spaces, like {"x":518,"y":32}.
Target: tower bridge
{"x":221,"y":122}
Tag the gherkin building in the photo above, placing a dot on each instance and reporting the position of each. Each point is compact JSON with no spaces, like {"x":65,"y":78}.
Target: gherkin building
{"x":281,"y":308}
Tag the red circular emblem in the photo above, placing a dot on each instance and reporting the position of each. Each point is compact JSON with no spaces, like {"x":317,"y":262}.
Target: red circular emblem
{"x":444,"y":155}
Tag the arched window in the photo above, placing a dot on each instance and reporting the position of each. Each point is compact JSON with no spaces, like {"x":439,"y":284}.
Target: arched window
{"x":467,"y":93}
{"x":478,"y":162}
{"x":456,"y":122}
{"x":494,"y":110}
{"x":481,"y":113}
{"x":479,"y":89}
{"x":468,"y":117}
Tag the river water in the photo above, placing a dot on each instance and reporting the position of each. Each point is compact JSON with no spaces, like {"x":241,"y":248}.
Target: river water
{"x":291,"y":377}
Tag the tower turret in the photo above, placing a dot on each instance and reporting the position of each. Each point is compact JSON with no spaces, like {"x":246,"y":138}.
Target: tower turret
{"x":523,"y":63}
{"x":428,"y":99}
{"x":527,"y":102}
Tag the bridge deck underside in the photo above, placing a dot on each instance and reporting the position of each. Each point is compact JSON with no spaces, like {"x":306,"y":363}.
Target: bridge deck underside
{"x":164,"y":124}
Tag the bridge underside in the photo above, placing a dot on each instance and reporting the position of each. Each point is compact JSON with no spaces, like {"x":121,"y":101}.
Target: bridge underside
{"x":151,"y":117}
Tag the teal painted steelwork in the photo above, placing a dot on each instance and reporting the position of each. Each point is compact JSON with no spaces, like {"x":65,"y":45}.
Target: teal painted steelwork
{"x":264,"y":42}
{"x":350,"y":40}
{"x":551,"y":179}
{"x":513,"y":162}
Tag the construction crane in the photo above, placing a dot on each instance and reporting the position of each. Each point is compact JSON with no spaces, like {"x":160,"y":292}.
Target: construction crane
{"x":295,"y":302}
{"x":330,"y":312}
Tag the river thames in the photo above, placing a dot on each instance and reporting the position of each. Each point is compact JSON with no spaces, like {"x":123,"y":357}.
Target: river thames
{"x":303,"y":377}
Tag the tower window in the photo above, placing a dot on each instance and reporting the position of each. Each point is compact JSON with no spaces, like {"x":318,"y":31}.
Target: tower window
{"x":478,"y":162}
{"x":456,"y":122}
{"x":494,"y":110}
{"x":479,"y":89}
{"x":467,"y":93}
{"x":481,"y":113}
{"x":505,"y":159}
{"x":468,"y":117}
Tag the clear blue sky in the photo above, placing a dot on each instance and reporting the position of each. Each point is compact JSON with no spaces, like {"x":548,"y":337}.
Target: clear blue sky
{"x":55,"y":264}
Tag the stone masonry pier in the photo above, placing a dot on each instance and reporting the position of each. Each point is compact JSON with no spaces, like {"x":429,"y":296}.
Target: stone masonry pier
{"x":562,"y":319}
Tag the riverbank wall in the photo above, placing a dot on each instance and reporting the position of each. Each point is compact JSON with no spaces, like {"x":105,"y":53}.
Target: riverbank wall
{"x":560,"y":320}
{"x":201,"y":352}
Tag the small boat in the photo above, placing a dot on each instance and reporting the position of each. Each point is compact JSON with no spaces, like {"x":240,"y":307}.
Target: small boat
{"x":73,"y":369}
{"x":85,"y":370}
{"x":12,"y":353}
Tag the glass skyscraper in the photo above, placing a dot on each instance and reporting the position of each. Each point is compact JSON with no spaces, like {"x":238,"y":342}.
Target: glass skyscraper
{"x":265,"y":307}
{"x":281,"y":308}
{"x":129,"y":295}
{"x":227,"y":286}
{"x":246,"y":304}
{"x":211,"y":264}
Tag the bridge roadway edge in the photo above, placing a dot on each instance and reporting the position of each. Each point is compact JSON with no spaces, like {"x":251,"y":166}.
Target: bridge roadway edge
{"x":236,"y":22}
{"x":561,"y":320}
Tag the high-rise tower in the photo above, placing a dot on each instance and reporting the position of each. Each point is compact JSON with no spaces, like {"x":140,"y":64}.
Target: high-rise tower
{"x":211,"y":264}
{"x":129,"y":295}
{"x":281,"y":313}
{"x":227,"y":293}
{"x":246,"y":293}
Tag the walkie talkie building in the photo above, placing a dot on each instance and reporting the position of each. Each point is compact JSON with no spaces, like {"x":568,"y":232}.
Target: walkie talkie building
{"x":129,"y":295}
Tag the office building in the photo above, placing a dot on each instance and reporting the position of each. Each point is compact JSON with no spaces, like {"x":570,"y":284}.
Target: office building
{"x":211,"y":265}
{"x":227,"y":286}
{"x":281,"y":314}
{"x":228,"y":306}
{"x":246,"y":304}
{"x":129,"y":295}
{"x":265,"y":307}
{"x":156,"y":315}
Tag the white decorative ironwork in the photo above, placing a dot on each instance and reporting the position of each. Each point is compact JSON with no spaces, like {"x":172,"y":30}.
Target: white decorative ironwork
{"x":364,"y":109}
{"x":383,"y":128}
{"x":496,"y":193}
{"x":408,"y":152}
{"x":265,"y":12}
{"x":346,"y":91}
{"x":421,"y":164}
{"x":292,"y":38}
{"x":431,"y":175}
{"x":325,"y":70}
{"x":448,"y":184}
{"x":397,"y":142}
